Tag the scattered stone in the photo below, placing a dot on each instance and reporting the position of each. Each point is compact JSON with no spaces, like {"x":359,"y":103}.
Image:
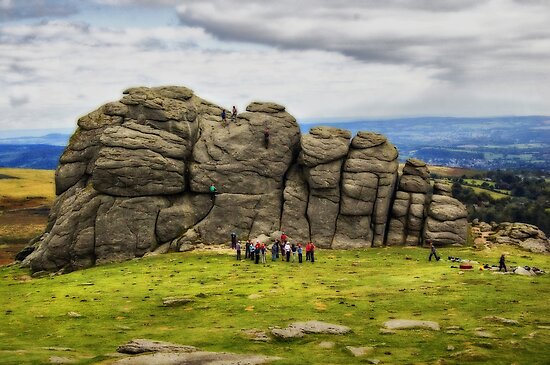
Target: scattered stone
{"x":359,"y":351}
{"x":139,"y":346}
{"x":61,"y":360}
{"x":175,"y":301}
{"x":373,"y":361}
{"x":450,"y":348}
{"x":255,"y":296}
{"x":409,"y":323}
{"x":40,"y":274}
{"x":198,"y":357}
{"x":256,"y":335}
{"x":385,"y":331}
{"x":54,"y":348}
{"x":484,"y":334}
{"x":320,"y":327}
{"x":287,"y":333}
{"x":326,"y":345}
{"x":502,"y":320}
{"x":74,"y":314}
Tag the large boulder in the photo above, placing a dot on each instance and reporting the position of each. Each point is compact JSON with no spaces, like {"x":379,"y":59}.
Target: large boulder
{"x":446,"y":222}
{"x":368,"y":184}
{"x":409,"y":207}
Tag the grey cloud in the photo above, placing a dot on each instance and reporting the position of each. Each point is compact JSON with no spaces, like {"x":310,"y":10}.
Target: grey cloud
{"x":14,"y":9}
{"x":354,"y":29}
{"x":17,"y":101}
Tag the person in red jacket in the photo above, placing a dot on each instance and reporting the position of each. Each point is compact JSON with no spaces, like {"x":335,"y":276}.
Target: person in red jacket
{"x":308,"y":251}
{"x":284,"y":238}
{"x":312,"y":252}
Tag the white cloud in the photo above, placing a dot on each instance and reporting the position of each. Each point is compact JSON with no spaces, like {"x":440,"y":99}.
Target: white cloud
{"x":353,"y":59}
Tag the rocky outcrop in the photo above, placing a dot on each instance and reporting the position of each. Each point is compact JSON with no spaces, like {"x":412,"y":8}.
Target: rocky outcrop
{"x":136,"y":176}
{"x":446,"y":222}
{"x":409,"y":208}
{"x":523,"y":235}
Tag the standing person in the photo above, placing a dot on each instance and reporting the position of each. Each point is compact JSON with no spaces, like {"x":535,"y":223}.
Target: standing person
{"x":262,"y":250}
{"x":299,"y":253}
{"x":266,"y":138}
{"x":234,"y":114}
{"x":282,"y":250}
{"x":238,"y":248}
{"x":284,"y":238}
{"x":433,"y":252}
{"x":223,"y":118}
{"x":312,"y":252}
{"x":257,"y":252}
{"x":308,"y":251}
{"x":293,"y":249}
{"x":287,"y":251}
{"x":502,"y":264}
{"x":251,"y":251}
{"x":274,"y":251}
{"x":233,"y":240}
{"x":246,"y":249}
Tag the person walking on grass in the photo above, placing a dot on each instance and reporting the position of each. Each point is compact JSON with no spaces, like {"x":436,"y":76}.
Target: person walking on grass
{"x":299,"y":253}
{"x":308,"y":251}
{"x":311,"y":252}
{"x":238,"y":248}
{"x":433,"y":252}
{"x":502,"y":264}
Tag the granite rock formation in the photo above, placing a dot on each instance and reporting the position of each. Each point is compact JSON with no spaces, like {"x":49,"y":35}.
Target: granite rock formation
{"x":135,"y":179}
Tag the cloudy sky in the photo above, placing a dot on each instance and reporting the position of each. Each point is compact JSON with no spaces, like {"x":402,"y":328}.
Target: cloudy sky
{"x":339,"y":59}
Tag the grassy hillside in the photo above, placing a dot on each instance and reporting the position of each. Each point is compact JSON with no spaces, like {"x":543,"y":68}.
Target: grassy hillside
{"x":25,"y":199}
{"x":361,"y":289}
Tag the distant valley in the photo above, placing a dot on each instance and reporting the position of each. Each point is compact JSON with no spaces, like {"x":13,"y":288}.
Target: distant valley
{"x":479,"y":143}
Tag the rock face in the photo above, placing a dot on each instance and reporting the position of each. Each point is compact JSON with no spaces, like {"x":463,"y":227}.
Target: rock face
{"x":526,"y":236}
{"x":446,"y":222}
{"x":409,"y":207}
{"x":136,"y":175}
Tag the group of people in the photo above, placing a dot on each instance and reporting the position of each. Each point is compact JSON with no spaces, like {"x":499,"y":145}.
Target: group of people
{"x":279,"y":249}
{"x":233,"y":115}
{"x":234,"y":119}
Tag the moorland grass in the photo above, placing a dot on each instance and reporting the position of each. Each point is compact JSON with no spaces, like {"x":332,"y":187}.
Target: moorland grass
{"x":28,"y":183}
{"x":359,"y":288}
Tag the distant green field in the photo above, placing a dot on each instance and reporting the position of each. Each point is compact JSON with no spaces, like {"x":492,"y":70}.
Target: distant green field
{"x":360,"y":288}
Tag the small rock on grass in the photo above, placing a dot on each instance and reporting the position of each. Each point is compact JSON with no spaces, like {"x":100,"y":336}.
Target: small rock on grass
{"x":359,"y":351}
{"x":326,"y":345}
{"x":502,"y":320}
{"x":61,"y":360}
{"x":320,"y":327}
{"x":140,"y":345}
{"x":198,"y":357}
{"x":410,"y":323}
{"x":484,"y":334}
{"x":74,"y":314}
{"x":175,"y":301}
{"x":256,"y":335}
{"x":287,"y":333}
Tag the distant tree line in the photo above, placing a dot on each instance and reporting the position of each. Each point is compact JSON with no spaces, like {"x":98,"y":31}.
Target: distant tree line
{"x":529,"y":200}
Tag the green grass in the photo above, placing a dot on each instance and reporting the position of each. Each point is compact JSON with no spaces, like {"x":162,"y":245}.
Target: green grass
{"x":27,"y":183}
{"x":361,"y":289}
{"x":493,"y":194}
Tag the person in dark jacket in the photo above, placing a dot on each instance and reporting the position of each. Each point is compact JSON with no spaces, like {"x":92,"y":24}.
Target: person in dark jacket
{"x":238,"y":248}
{"x":502,"y":264}
{"x":433,"y":252}
{"x":233,"y":240}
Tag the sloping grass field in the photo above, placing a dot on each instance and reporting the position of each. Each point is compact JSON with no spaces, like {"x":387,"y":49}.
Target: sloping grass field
{"x":360,"y":288}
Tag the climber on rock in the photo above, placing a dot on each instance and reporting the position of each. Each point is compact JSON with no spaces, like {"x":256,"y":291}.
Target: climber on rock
{"x":223,"y":118}
{"x":213,"y":191}
{"x":234,"y":114}
{"x":266,"y":137}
